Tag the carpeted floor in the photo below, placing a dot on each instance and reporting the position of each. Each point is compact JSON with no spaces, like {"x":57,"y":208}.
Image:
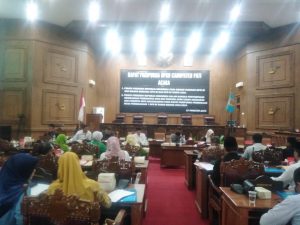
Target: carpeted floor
{"x":169,"y":201}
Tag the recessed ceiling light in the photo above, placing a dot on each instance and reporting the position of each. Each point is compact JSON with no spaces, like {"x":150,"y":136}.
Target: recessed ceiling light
{"x":139,"y":42}
{"x":166,"y":43}
{"x":31,"y":10}
{"x":221,"y":42}
{"x":164,"y":12}
{"x":235,"y":12}
{"x":94,"y":11}
{"x":193,"y":42}
{"x":113,"y":42}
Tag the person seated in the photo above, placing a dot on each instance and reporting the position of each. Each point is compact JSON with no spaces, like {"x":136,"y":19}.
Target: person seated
{"x":177,"y":138}
{"x":113,"y":149}
{"x":208,"y":136}
{"x":61,"y":141}
{"x":72,"y":181}
{"x":287,"y":176}
{"x":96,"y":140}
{"x":289,"y":150}
{"x":231,"y":147}
{"x":42,"y":148}
{"x":215,"y":143}
{"x":14,"y":175}
{"x":257,"y":146}
{"x":287,"y":211}
{"x":141,"y":137}
{"x":131,"y":140}
{"x":52,"y":133}
{"x":83,"y":134}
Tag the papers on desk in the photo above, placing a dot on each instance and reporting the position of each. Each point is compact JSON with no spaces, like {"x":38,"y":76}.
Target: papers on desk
{"x":85,"y":162}
{"x":204,"y":165}
{"x":119,"y":195}
{"x":38,"y":189}
{"x":139,"y":159}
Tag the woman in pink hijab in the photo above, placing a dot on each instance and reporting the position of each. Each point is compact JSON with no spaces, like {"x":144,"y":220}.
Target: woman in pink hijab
{"x":113,"y":149}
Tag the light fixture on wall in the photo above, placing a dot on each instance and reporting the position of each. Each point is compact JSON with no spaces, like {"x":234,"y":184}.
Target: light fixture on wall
{"x":92,"y":83}
{"x":94,"y":11}
{"x":239,"y":85}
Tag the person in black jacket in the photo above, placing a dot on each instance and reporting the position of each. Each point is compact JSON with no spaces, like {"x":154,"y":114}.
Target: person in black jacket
{"x":231,"y":148}
{"x":289,"y":150}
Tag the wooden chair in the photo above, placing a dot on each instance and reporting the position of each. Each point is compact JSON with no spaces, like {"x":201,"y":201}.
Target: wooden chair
{"x":273,"y":156}
{"x":120,"y":118}
{"x":138,"y":119}
{"x":159,"y":136}
{"x":186,"y":119}
{"x":46,"y":170}
{"x":59,"y":209}
{"x":123,"y":169}
{"x":132,"y":149}
{"x":212,"y":154}
{"x":162,"y":118}
{"x":119,"y":220}
{"x":214,"y":202}
{"x":236,"y":171}
{"x":85,"y":149}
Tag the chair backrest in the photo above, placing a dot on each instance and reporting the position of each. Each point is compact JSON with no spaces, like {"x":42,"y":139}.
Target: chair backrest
{"x":132,"y":149}
{"x":59,"y":209}
{"x":273,"y":156}
{"x":162,"y":118}
{"x":119,"y":220}
{"x":159,"y":136}
{"x":85,"y":149}
{"x":212,"y":154}
{"x":123,"y":169}
{"x":47,"y":167}
{"x":236,"y":171}
{"x":186,"y":119}
{"x":138,"y":119}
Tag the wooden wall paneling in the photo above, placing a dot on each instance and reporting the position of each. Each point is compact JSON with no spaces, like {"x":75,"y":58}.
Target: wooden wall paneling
{"x":59,"y":106}
{"x":61,"y":67}
{"x":13,"y":104}
{"x":14,"y":61}
{"x":276,"y":70}
{"x":275,"y":111}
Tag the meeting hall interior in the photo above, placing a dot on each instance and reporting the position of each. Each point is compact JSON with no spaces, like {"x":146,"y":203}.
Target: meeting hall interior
{"x":149,"y":112}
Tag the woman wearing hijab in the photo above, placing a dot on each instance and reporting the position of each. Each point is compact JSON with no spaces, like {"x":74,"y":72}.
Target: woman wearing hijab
{"x":209,"y":134}
{"x":13,"y":176}
{"x":114,"y":149}
{"x":96,"y":140}
{"x":61,"y":140}
{"x":72,"y":181}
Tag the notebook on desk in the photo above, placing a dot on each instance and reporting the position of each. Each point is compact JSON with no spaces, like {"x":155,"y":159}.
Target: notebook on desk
{"x":120,"y":195}
{"x":38,"y":189}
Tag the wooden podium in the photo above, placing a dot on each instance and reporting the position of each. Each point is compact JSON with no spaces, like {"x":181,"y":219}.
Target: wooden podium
{"x":93,"y":121}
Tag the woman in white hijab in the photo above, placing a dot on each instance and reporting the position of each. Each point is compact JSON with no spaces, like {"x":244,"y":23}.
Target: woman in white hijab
{"x":209,"y":134}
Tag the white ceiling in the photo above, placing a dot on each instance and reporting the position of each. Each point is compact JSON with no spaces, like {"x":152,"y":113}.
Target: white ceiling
{"x":61,"y":12}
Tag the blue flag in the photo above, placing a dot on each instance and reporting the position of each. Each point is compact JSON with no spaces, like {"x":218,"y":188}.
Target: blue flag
{"x":230,"y":107}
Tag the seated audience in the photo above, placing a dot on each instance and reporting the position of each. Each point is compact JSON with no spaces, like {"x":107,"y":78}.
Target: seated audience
{"x":96,"y":140}
{"x":15,"y":173}
{"x":61,"y":141}
{"x":231,"y":147}
{"x":114,"y":149}
{"x":287,"y":176}
{"x":289,"y":150}
{"x":177,"y":138}
{"x":257,"y":146}
{"x":83,"y":134}
{"x":208,"y":136}
{"x":215,"y":143}
{"x":72,"y":181}
{"x":42,"y":148}
{"x":140,"y":137}
{"x":287,"y":211}
{"x":131,"y":140}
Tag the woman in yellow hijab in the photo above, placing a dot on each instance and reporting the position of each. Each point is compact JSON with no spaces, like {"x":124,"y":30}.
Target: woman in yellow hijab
{"x":73,"y":181}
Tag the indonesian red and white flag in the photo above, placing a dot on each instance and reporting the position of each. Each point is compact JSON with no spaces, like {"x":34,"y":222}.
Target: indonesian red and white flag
{"x":81,"y":108}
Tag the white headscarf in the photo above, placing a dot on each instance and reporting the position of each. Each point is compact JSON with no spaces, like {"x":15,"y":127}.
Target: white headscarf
{"x":97,"y":135}
{"x":208,"y":135}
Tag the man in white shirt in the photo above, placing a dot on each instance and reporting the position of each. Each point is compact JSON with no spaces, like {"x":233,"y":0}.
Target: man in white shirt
{"x":257,"y":146}
{"x":287,"y":176}
{"x":286,"y":211}
{"x":83,"y":134}
{"x":140,"y":137}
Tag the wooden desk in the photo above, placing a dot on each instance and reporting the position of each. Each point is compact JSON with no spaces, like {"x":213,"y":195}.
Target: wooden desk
{"x":237,"y":211}
{"x":143,"y":168}
{"x":155,"y":148}
{"x":190,"y":170}
{"x":174,"y":155}
{"x":138,"y":208}
{"x":201,"y":200}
